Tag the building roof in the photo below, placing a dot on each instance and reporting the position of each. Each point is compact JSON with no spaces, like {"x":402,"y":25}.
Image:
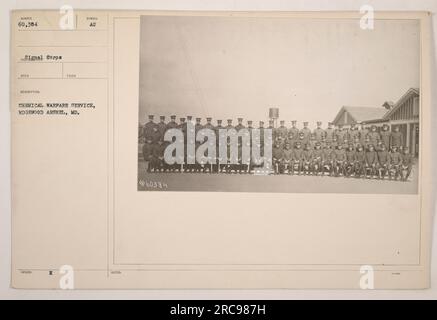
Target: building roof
{"x":361,"y":114}
{"x":398,"y":104}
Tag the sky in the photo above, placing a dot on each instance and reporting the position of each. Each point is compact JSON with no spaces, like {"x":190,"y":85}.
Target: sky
{"x":226,"y":67}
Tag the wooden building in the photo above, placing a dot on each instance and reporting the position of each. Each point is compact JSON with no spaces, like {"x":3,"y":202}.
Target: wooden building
{"x":352,"y":115}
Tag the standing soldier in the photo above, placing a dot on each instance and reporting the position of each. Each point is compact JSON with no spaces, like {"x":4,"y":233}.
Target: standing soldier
{"x":360,"y":160}
{"x":282,"y":131}
{"x":294,"y":132}
{"x":208,"y":124}
{"x":313,"y":140}
{"x":229,"y":126}
{"x":395,"y":162}
{"x":172,"y":124}
{"x":183,"y":127}
{"x":363,"y":133}
{"x":371,"y":161}
{"x":317,"y":162}
{"x":374,"y":135}
{"x":148,"y":128}
{"x":277,"y":157}
{"x":397,"y":138}
{"x":383,"y":161}
{"x":319,"y":132}
{"x":307,"y":159}
{"x":240,"y":124}
{"x":162,"y":126}
{"x":158,"y":156}
{"x":329,"y":132}
{"x":328,"y":159}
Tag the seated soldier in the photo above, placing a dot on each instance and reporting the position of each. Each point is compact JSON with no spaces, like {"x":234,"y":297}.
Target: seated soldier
{"x":350,"y":161}
{"x":328,"y":159}
{"x":148,"y":154}
{"x":287,"y":158}
{"x":158,"y":156}
{"x":297,"y":158}
{"x":317,"y":161}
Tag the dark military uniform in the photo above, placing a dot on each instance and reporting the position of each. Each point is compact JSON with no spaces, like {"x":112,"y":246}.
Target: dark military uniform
{"x":385,"y":136}
{"x":396,"y":139}
{"x":374,"y":136}
{"x":319,"y":133}
{"x":162,"y":126}
{"x":148,"y":131}
{"x":294,"y":132}
{"x":282,"y":131}
{"x":306,"y":133}
{"x":329,"y":132}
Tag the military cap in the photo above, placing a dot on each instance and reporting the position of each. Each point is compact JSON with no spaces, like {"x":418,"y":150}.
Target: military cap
{"x":249,"y":121}
{"x":182,"y":119}
{"x":293,"y":121}
{"x":189,"y":117}
{"x":162,"y":117}
{"x":151,"y":116}
{"x":240,"y":119}
{"x":173,"y":117}
{"x":229,"y":120}
{"x":198,"y":119}
{"x":219,"y":121}
{"x":208,"y":119}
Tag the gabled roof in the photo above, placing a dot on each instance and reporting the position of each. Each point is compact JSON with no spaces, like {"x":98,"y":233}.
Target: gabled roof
{"x":360,"y":114}
{"x":408,"y":94}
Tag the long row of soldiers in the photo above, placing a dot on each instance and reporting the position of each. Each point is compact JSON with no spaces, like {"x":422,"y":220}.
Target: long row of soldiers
{"x":357,"y":151}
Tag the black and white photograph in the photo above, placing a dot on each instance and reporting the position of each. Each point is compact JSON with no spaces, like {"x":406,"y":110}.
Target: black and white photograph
{"x":278,"y":104}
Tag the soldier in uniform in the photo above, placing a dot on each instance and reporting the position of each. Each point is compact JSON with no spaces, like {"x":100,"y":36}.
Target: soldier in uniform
{"x":183,"y":127}
{"x":319,"y":133}
{"x":287,"y":154}
{"x":385,"y":136}
{"x":158,"y":156}
{"x":208,"y":124}
{"x":371,"y":159}
{"x":397,"y":138}
{"x":148,"y":128}
{"x":317,"y":161}
{"x":354,"y":133}
{"x":363,"y":133}
{"x":312,"y":142}
{"x":350,"y":160}
{"x":293,"y":132}
{"x":328,"y":159}
{"x":217,"y":128}
{"x":360,"y":160}
{"x":172,"y":124}
{"x":240,"y":124}
{"x":340,"y":134}
{"x":340,"y":159}
{"x":329,"y":132}
{"x":307,"y":159}
{"x":374,"y":135}
{"x":383,"y":161}
{"x":306,"y":133}
{"x":297,"y":157}
{"x":148,"y":154}
{"x":162,"y":126}
{"x":277,"y":157}
{"x":282,"y":131}
{"x":395,"y":162}
{"x":407,"y":164}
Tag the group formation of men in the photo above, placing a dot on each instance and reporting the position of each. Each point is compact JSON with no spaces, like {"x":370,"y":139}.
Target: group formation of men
{"x":358,"y":151}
